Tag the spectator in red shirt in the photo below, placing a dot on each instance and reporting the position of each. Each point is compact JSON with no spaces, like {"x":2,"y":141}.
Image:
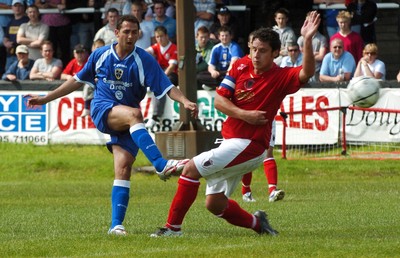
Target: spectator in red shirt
{"x":76,"y":64}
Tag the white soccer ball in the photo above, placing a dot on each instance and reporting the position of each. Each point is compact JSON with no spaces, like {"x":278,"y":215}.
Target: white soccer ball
{"x":363,"y":91}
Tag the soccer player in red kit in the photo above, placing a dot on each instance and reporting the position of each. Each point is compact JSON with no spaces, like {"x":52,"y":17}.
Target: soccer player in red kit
{"x":250,"y":95}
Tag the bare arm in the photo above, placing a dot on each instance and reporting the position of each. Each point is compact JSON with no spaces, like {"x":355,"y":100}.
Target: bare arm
{"x":204,"y":15}
{"x":65,"y":88}
{"x":177,"y":95}
{"x":308,"y":30}
{"x":254,"y":117}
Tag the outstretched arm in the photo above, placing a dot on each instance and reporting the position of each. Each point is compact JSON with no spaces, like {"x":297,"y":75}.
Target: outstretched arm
{"x":177,"y":95}
{"x":65,"y":88}
{"x":308,"y":30}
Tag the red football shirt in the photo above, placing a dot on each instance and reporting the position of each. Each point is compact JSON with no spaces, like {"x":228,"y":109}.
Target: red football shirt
{"x":166,"y":55}
{"x":73,"y":67}
{"x":251,"y":91}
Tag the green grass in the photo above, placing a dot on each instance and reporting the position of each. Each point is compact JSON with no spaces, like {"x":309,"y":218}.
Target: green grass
{"x":55,"y":201}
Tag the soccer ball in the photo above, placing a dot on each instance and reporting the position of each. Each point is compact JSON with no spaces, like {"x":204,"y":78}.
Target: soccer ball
{"x":363,"y":91}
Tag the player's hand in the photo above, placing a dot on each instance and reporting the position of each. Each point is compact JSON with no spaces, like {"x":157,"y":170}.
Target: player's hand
{"x":255,"y":117}
{"x":194,"y":111}
{"x":35,"y":100}
{"x":311,"y":25}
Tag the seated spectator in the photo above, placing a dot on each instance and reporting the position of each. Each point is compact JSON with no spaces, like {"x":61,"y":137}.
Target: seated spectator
{"x":369,"y":65}
{"x":223,"y":55}
{"x":19,"y":70}
{"x":81,"y":55}
{"x":146,"y":31}
{"x":286,"y":33}
{"x":88,"y":91}
{"x":203,"y":48}
{"x":33,"y":33}
{"x":294,"y":57}
{"x":161,"y":19}
{"x":166,"y":54}
{"x":352,"y":41}
{"x":363,"y":19}
{"x":122,"y":6}
{"x":205,"y":12}
{"x":107,"y":33}
{"x":320,"y":47}
{"x":46,"y":68}
{"x":225,"y":18}
{"x":338,"y":65}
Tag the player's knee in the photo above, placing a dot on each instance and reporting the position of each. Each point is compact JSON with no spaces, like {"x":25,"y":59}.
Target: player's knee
{"x":216,"y":203}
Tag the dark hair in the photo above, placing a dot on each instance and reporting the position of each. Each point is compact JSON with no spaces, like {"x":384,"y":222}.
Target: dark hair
{"x":225,"y":29}
{"x":112,"y":10}
{"x":127,"y":18}
{"x":269,"y":36}
{"x":161,"y":28}
{"x":203,"y":29}
{"x":283,"y":11}
{"x":34,"y":6}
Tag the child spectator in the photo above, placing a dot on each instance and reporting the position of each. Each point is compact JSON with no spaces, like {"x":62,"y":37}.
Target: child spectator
{"x":338,"y":65}
{"x":286,"y":34}
{"x":352,"y":41}
{"x":369,"y":65}
{"x":225,"y":18}
{"x":203,"y":48}
{"x":166,"y":54}
{"x":33,"y":33}
{"x":46,"y":68}
{"x":19,"y":70}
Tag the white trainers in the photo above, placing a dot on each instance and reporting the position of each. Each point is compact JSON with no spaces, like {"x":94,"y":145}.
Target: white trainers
{"x":276,"y":195}
{"x":166,"y":232}
{"x":150,"y":123}
{"x":247,"y":197}
{"x":85,"y":112}
{"x":118,"y":230}
{"x":172,"y":167}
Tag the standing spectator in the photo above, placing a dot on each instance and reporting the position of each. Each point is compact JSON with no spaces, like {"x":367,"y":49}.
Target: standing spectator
{"x":4,"y":20}
{"x":81,"y":55}
{"x":338,"y":65}
{"x":46,"y":68}
{"x":107,"y":32}
{"x":205,"y":12}
{"x":146,"y":31}
{"x":320,"y":47}
{"x":250,"y":96}
{"x":363,"y":19}
{"x":122,"y":6}
{"x":203,"y":48}
{"x":19,"y":70}
{"x":225,"y":18}
{"x":352,"y":41}
{"x":82,"y":23}
{"x":369,"y":65}
{"x":116,"y":110}
{"x":286,"y":34}
{"x":10,"y":34}
{"x":33,"y":33}
{"x":161,"y":19}
{"x":166,"y":54}
{"x":60,"y":29}
{"x":330,"y":16}
{"x":294,"y":57}
{"x":223,"y":56}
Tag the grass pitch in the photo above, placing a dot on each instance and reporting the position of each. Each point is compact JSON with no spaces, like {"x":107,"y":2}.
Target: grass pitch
{"x":55,"y":202}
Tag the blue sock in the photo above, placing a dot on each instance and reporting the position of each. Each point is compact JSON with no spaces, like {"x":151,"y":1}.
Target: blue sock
{"x":144,"y":141}
{"x":119,"y":201}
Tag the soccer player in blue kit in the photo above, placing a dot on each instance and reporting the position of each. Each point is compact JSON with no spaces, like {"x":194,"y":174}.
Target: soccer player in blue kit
{"x":119,"y":74}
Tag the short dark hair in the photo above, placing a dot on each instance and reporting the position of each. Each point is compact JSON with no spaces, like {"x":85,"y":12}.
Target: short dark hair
{"x":225,"y":29}
{"x":127,"y":18}
{"x":268,"y":35}
{"x":160,"y":28}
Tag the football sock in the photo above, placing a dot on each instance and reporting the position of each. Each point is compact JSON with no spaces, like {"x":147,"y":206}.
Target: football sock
{"x":184,"y":197}
{"x":119,"y":201}
{"x":271,"y":172}
{"x":246,"y":182}
{"x":235,"y":215}
{"x":143,"y":140}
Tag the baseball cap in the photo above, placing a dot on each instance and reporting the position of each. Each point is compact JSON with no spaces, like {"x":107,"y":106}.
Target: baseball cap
{"x":80,"y":48}
{"x":18,"y":2}
{"x":22,"y":49}
{"x":224,"y":10}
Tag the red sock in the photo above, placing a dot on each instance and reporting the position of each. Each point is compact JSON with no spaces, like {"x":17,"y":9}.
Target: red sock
{"x":246,"y":182}
{"x":235,"y":215}
{"x":183,"y":200}
{"x":271,"y":172}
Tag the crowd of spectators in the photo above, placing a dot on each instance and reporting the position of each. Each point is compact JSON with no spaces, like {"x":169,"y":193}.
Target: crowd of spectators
{"x":51,"y":39}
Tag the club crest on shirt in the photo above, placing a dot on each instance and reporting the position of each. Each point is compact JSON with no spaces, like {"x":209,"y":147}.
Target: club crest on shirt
{"x":118,"y":73}
{"x":207,"y":163}
{"x":167,"y":56}
{"x":248,"y":84}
